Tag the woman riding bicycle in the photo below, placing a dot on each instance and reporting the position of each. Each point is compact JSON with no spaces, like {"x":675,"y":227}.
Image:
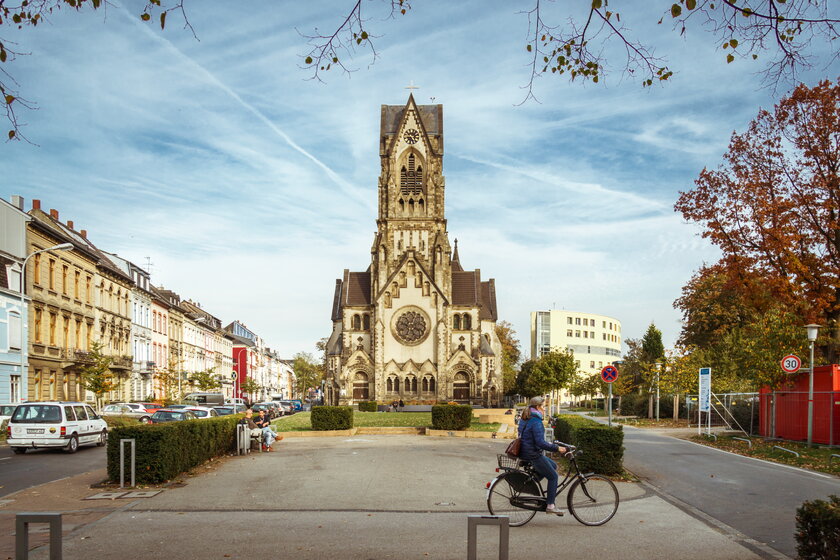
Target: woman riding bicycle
{"x":532,"y":434}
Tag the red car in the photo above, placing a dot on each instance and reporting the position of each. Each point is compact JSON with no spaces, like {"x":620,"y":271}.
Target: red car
{"x":150,"y":406}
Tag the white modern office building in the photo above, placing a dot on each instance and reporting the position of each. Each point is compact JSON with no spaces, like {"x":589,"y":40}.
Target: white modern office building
{"x":594,"y":339}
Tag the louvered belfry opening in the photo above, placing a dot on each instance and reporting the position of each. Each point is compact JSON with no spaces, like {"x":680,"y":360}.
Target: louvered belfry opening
{"x":411,"y":177}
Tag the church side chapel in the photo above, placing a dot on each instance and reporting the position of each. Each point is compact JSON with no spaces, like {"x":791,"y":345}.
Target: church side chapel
{"x":415,"y":325}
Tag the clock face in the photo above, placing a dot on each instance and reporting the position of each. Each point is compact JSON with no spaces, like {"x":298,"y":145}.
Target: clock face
{"x":411,"y":136}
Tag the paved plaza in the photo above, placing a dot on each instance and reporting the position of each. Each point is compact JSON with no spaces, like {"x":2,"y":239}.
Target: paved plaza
{"x":355,"y":497}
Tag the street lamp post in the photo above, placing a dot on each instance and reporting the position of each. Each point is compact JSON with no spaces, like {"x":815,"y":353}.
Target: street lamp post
{"x":658,"y":371}
{"x":813,"y":330}
{"x":24,"y":321}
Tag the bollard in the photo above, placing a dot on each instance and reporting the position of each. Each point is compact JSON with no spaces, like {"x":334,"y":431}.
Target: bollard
{"x":122,"y":461}
{"x":473,"y":521}
{"x":22,"y":521}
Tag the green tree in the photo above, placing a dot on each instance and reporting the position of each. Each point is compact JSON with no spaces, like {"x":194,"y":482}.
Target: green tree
{"x":552,"y":371}
{"x":205,"y":380}
{"x":511,"y":355}
{"x":250,"y":387}
{"x":96,"y":375}
{"x":308,"y":372}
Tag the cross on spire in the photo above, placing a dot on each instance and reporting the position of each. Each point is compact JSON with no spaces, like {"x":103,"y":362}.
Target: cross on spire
{"x":411,"y":86}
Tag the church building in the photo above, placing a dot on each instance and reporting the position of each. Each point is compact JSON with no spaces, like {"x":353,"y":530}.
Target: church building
{"x":415,"y":325}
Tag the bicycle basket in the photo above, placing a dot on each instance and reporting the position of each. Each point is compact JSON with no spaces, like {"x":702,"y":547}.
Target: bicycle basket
{"x":506,"y":462}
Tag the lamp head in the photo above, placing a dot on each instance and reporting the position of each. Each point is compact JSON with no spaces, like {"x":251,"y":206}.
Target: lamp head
{"x":62,"y":247}
{"x":812,"y":331}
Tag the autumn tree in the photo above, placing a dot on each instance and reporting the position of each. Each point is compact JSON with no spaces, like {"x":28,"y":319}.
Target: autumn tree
{"x":251,"y":387}
{"x":511,"y":354}
{"x":552,"y":371}
{"x":169,"y":380}
{"x":773,"y":208}
{"x":565,"y":40}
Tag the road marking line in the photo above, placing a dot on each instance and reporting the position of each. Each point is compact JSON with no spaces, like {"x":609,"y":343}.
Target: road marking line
{"x":806,"y":471}
{"x":5,"y":458}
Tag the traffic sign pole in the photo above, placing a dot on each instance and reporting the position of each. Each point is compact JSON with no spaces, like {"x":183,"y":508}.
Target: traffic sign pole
{"x":609,"y":374}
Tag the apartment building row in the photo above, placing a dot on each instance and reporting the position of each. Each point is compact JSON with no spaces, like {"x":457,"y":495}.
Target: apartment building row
{"x":77,"y":295}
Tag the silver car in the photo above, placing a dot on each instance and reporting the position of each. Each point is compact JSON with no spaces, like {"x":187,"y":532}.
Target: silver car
{"x":127,"y":410}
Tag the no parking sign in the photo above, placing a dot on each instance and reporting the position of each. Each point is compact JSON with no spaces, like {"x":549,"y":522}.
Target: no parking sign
{"x":609,"y":374}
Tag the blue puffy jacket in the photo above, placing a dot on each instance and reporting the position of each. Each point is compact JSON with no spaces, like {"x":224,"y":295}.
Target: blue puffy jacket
{"x":532,"y":434}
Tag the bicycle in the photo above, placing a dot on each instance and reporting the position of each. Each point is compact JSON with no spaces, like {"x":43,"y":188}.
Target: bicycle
{"x":592,"y":499}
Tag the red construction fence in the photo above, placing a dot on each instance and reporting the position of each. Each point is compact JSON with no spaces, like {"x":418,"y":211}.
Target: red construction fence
{"x":784,"y":413}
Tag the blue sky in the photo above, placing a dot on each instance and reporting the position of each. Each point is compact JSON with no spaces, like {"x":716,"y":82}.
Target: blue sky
{"x":251,"y":188}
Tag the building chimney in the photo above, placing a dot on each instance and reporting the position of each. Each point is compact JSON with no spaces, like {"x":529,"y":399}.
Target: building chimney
{"x":17,"y":201}
{"x":84,"y":233}
{"x":70,"y":224}
{"x":36,"y":204}
{"x":54,"y":214}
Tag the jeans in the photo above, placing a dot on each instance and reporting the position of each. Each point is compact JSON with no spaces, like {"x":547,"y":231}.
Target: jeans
{"x":269,"y":435}
{"x":547,"y":468}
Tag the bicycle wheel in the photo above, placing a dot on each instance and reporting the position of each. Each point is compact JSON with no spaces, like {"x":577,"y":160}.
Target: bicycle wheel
{"x":593,"y":500}
{"x":508,"y":488}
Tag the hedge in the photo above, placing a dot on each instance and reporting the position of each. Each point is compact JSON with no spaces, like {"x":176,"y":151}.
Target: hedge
{"x":818,"y":529}
{"x":332,"y":418}
{"x":603,"y":447}
{"x":368,"y":406}
{"x":163,"y":451}
{"x":451,"y":416}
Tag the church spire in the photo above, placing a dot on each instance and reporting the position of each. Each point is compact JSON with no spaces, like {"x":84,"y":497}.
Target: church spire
{"x":456,"y":260}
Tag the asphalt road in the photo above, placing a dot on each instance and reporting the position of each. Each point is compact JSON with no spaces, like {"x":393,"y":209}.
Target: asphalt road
{"x":757,"y":498}
{"x":45,"y":465}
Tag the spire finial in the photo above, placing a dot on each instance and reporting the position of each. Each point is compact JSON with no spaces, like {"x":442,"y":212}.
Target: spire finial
{"x":411,"y":86}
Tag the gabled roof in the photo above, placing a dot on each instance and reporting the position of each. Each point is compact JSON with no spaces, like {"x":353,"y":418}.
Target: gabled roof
{"x":393,"y":116}
{"x":488,"y":301}
{"x":466,"y":289}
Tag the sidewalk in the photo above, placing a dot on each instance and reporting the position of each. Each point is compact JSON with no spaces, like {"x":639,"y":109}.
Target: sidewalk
{"x":359,"y":497}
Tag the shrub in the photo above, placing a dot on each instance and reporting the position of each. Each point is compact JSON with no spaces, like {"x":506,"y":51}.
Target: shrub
{"x":634,"y":404}
{"x":451,"y":416}
{"x":368,"y":406}
{"x":818,"y":529}
{"x":603,"y":447}
{"x":163,"y":451}
{"x":332,"y":418}
{"x":120,"y":421}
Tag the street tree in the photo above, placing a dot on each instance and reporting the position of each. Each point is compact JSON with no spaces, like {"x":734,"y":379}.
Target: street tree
{"x":565,"y":40}
{"x":251,"y":387}
{"x":773,"y":206}
{"x":96,"y":374}
{"x":169,"y":380}
{"x":308,"y":372}
{"x":205,"y":380}
{"x":511,"y":355}
{"x":552,"y":371}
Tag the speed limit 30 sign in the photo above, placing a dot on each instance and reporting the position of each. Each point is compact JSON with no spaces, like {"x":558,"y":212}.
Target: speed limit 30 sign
{"x":791,"y":363}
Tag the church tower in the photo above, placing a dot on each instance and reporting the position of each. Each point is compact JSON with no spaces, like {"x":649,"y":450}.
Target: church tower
{"x":415,"y":326}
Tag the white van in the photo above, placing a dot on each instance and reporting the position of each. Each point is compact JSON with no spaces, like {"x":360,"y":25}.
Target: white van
{"x":55,"y":424}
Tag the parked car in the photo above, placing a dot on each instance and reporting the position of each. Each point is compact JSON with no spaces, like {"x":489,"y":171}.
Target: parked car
{"x":202,"y":412}
{"x":297,"y":403}
{"x":6,"y":411}
{"x":206,"y":399}
{"x":125,"y":410}
{"x":228,"y":409}
{"x":162,"y":415}
{"x":288,"y":406}
{"x":179,"y":406}
{"x":55,"y":424}
{"x":150,"y":406}
{"x":268,"y":407}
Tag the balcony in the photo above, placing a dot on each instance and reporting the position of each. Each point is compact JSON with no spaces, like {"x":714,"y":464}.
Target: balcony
{"x":121,"y":362}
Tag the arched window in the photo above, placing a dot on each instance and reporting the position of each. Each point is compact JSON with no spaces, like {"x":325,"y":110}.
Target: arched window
{"x":366,"y":322}
{"x":357,"y":322}
{"x":407,"y":384}
{"x":421,"y":206}
{"x":410,"y":206}
{"x":425,"y":384}
{"x":390,"y":385}
{"x":431,"y":384}
{"x":402,"y":205}
{"x":413,"y":384}
{"x":456,"y":322}
{"x":467,"y":321}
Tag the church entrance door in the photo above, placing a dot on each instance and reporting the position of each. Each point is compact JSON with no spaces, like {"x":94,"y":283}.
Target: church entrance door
{"x":361,"y":387}
{"x":461,"y":388}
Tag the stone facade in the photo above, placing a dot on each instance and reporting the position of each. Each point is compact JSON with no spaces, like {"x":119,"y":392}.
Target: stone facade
{"x":415,"y":325}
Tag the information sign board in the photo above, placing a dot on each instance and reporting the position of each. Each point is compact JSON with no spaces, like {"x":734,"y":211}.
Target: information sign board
{"x":705,"y":389}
